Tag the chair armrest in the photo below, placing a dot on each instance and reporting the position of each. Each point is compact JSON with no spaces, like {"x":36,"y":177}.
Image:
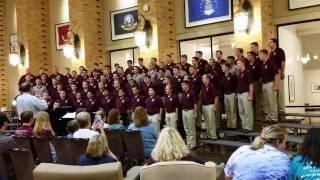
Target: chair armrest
{"x":133,"y":173}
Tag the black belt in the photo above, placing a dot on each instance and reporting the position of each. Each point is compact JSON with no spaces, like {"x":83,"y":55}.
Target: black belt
{"x":229,"y":93}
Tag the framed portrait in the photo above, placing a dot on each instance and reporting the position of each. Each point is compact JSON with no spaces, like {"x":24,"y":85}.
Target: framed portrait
{"x":315,"y":88}
{"x":291,"y":88}
{"x":299,"y":4}
{"x":123,"y":23}
{"x":201,"y":12}
{"x":61,"y":34}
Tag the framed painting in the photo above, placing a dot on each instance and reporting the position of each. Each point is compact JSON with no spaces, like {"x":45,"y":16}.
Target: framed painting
{"x":202,"y":12}
{"x":299,"y":4}
{"x":61,"y":34}
{"x":124,"y":23}
{"x":291,"y":88}
{"x":315,"y":88}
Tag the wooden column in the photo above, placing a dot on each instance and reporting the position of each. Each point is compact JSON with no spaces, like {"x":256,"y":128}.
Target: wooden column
{"x":33,"y":32}
{"x":3,"y":56}
{"x":161,"y":15}
{"x":88,"y":21}
{"x":262,"y":28}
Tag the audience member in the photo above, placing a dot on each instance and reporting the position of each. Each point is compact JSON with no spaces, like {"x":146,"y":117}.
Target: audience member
{"x":26,"y":129}
{"x":101,"y":116}
{"x":97,"y":152}
{"x":42,"y":126}
{"x":171,"y":147}
{"x":72,"y":127}
{"x":148,"y":131}
{"x":84,"y":131}
{"x":263,"y":159}
{"x":306,"y":165}
{"x":6,"y":142}
{"x":114,"y":121}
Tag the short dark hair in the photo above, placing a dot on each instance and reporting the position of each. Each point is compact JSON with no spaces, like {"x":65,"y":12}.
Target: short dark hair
{"x":240,"y":49}
{"x":199,"y":52}
{"x":184,"y":56}
{"x":196,"y":58}
{"x":140,"y":59}
{"x":186,"y":82}
{"x":255,"y":44}
{"x":129,"y":61}
{"x":3,"y":119}
{"x":251,"y":53}
{"x":274,"y":40}
{"x":219,"y":51}
{"x":25,"y":87}
{"x":176,"y":67}
{"x":310,"y":147}
{"x":264,"y":51}
{"x":153,"y":58}
{"x":169,"y":55}
{"x":228,"y":65}
{"x":113,"y":116}
{"x":96,"y":64}
{"x":72,"y":126}
{"x":231,"y":57}
{"x":135,"y":86}
{"x":26,"y":116}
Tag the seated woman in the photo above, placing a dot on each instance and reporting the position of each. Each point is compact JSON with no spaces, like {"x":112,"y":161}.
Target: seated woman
{"x":42,"y":126}
{"x":72,"y":127}
{"x":263,"y":159}
{"x":97,"y":152}
{"x":114,"y":121}
{"x":148,"y":131}
{"x":171,"y":147}
{"x":102,"y":116}
{"x":306,"y":165}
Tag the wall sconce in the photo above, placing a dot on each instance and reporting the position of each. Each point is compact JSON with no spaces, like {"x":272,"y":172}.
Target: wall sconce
{"x":243,"y":17}
{"x":143,"y":33}
{"x":16,"y":53}
{"x":71,"y":45}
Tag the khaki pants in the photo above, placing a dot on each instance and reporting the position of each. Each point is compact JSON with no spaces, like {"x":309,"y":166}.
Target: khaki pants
{"x":231,"y":110}
{"x":171,"y":120}
{"x":210,"y":120}
{"x":258,"y":100}
{"x":270,"y":99}
{"x":245,"y":111}
{"x":155,"y":120}
{"x":189,"y":125}
{"x":281,"y":96}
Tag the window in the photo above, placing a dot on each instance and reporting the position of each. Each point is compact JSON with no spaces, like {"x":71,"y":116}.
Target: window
{"x":208,"y":45}
{"x":121,"y":57}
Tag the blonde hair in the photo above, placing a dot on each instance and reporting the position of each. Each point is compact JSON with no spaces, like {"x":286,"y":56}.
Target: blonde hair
{"x":170,"y":146}
{"x":42,"y":122}
{"x":102,"y":114}
{"x":140,"y":117}
{"x":270,"y":135}
{"x":97,"y":146}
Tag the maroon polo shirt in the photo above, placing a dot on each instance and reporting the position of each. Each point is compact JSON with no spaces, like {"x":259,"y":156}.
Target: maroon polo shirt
{"x":137,"y":101}
{"x":106,"y":103}
{"x":128,"y":71}
{"x":196,"y":83}
{"x":115,"y":92}
{"x":176,"y":82}
{"x":203,"y":64}
{"x":277,"y":56}
{"x":244,"y":80}
{"x":170,"y":67}
{"x":186,"y":67}
{"x":99,"y":94}
{"x":72,"y":97}
{"x":64,"y":102}
{"x":144,"y":89}
{"x":160,"y":87}
{"x":218,"y":67}
{"x":93,"y":87}
{"x":53,"y":92}
{"x":91,"y":105}
{"x":81,"y":78}
{"x":268,"y":71}
{"x":208,"y":94}
{"x":255,"y":70}
{"x":143,"y":69}
{"x":171,"y":103}
{"x":229,"y":83}
{"x":189,"y":99}
{"x":153,"y":105}
{"x":215,"y":78}
{"x":79,"y":104}
{"x":84,"y":94}
{"x":122,"y":104}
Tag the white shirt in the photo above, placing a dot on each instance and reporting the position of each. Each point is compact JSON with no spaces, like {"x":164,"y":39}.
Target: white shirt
{"x":39,"y":90}
{"x":85,"y":134}
{"x":28,"y":102}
